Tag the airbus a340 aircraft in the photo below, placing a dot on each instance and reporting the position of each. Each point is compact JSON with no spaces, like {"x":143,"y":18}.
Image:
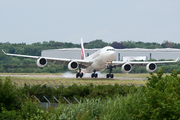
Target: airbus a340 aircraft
{"x":98,"y":61}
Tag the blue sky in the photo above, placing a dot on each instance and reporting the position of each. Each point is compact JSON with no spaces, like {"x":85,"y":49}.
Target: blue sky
{"x":31,"y":21}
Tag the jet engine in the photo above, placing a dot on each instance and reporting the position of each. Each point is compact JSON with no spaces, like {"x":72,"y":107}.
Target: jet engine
{"x":73,"y":65}
{"x":126,"y":68}
{"x":41,"y":62}
{"x":150,"y":67}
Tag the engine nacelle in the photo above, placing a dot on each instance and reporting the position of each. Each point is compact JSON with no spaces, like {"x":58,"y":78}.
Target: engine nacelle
{"x":126,"y":68}
{"x":73,"y":65}
{"x":41,"y":62}
{"x":151,"y":67}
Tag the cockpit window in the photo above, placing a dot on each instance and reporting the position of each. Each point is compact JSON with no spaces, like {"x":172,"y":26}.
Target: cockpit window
{"x":110,"y":50}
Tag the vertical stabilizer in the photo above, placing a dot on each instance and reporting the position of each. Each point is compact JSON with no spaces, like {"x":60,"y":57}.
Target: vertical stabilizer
{"x":82,"y":49}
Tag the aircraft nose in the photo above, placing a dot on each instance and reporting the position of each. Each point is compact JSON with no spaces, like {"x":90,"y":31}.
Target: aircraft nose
{"x":112,"y":55}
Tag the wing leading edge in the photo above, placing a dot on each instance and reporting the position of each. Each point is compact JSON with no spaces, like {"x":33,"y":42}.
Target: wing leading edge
{"x":120,"y":63}
{"x":56,"y":60}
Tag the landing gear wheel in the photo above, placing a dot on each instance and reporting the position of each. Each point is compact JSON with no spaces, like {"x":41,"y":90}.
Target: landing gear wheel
{"x":112,"y":76}
{"x":107,"y":76}
{"x":79,"y":75}
{"x":92,"y":75}
{"x":96,"y":75}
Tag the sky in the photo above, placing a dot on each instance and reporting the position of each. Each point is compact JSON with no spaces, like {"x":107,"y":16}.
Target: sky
{"x":30,"y":21}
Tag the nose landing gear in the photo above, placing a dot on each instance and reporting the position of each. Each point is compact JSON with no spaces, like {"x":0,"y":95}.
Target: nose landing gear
{"x":110,"y":71}
{"x":110,"y":76}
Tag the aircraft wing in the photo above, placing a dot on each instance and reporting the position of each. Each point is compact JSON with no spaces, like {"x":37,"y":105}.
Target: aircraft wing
{"x":64,"y":61}
{"x":120,"y":63}
{"x":28,"y":56}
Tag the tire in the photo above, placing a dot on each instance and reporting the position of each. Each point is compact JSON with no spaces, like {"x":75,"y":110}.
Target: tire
{"x":92,"y":75}
{"x":96,"y":75}
{"x":112,"y":76}
{"x":107,"y":76}
{"x":81,"y":75}
{"x":77,"y":75}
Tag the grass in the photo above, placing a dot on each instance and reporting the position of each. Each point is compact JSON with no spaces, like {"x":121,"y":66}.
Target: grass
{"x":132,"y":75}
{"x":65,"y":81}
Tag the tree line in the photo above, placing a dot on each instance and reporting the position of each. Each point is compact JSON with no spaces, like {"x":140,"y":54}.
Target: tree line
{"x":18,"y":64}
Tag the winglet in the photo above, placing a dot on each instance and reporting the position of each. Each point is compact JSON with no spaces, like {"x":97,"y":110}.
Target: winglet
{"x":4,"y":52}
{"x":82,"y":49}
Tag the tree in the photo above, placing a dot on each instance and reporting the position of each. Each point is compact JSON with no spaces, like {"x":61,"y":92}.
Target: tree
{"x":167,"y":44}
{"x":8,"y":95}
{"x":117,"y":45}
{"x":96,"y":44}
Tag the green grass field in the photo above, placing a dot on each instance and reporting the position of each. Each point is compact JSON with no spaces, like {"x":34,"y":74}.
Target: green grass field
{"x":65,"y":81}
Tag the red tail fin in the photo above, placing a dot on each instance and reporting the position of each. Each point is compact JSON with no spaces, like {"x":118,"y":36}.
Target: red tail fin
{"x":82,"y":49}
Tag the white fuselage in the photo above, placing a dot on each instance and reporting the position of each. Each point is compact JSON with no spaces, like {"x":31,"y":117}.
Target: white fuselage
{"x":100,"y":59}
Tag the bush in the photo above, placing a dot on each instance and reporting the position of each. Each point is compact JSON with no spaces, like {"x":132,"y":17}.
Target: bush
{"x":89,"y":110}
{"x":31,"y":111}
{"x":10,"y":115}
{"x":159,"y":100}
{"x":162,"y":96}
{"x":9,"y":95}
{"x":80,"y":92}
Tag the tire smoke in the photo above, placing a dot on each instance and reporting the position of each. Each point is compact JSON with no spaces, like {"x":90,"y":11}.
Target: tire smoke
{"x":86,"y":75}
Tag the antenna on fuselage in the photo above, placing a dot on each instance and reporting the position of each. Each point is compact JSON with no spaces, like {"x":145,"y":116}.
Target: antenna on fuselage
{"x":82,"y":49}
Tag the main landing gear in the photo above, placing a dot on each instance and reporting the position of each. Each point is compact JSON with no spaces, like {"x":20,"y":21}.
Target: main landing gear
{"x":110,"y":76}
{"x":110,"y":71}
{"x":95,"y":75}
{"x":79,"y":74}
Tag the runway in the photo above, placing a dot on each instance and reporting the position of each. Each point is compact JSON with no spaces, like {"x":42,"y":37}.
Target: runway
{"x":74,"y":76}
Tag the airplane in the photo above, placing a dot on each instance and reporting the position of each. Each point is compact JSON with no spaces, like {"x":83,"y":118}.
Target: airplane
{"x":98,"y":61}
